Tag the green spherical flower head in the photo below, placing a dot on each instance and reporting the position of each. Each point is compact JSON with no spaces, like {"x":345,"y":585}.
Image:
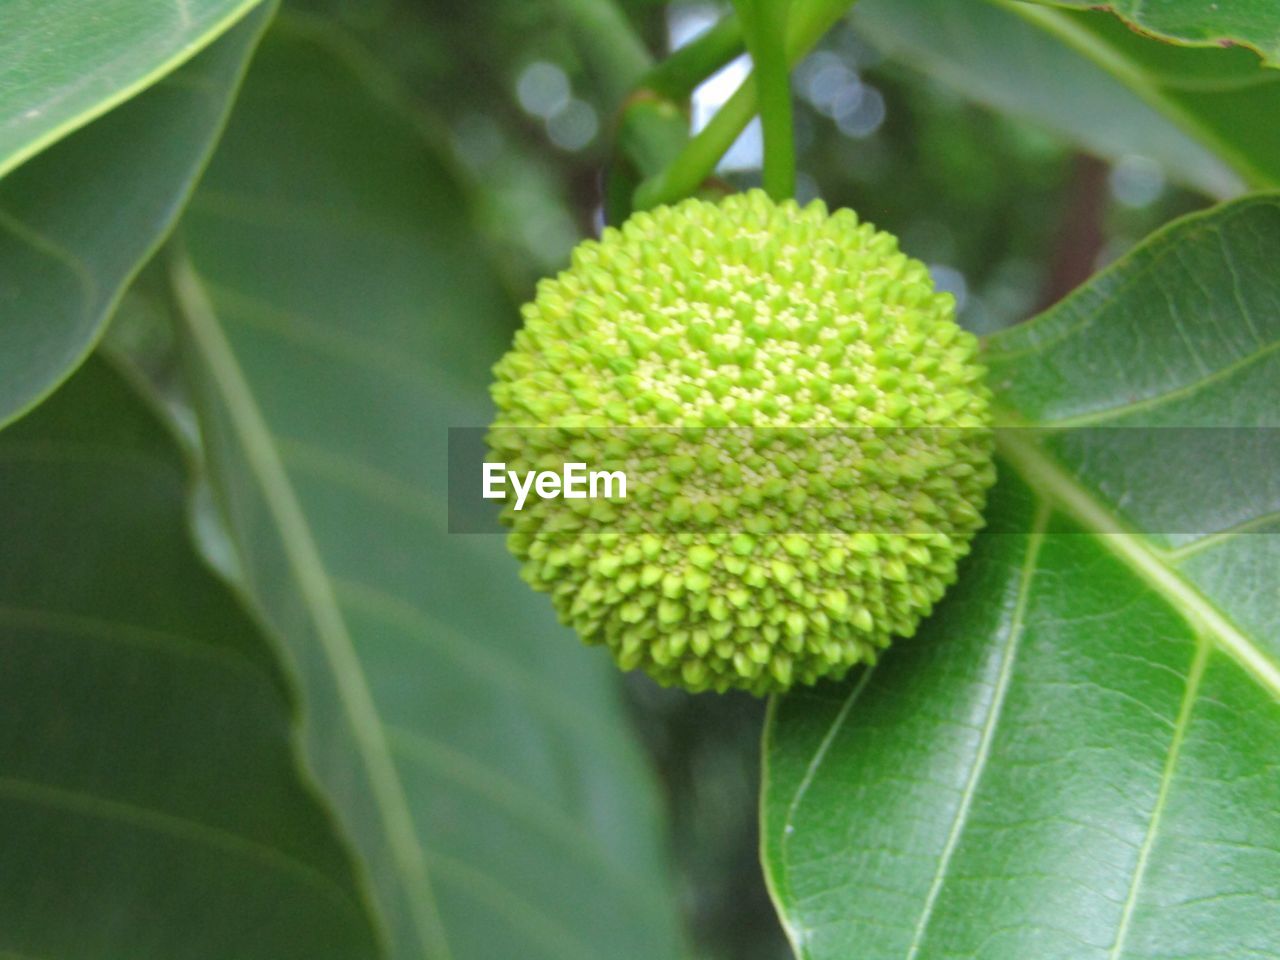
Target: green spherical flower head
{"x":803,"y":427}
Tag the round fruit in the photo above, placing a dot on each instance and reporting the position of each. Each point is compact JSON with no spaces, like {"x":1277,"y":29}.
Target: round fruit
{"x":803,"y":427}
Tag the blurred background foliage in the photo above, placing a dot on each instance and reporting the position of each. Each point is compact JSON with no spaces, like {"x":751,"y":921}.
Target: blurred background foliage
{"x":1008,"y":216}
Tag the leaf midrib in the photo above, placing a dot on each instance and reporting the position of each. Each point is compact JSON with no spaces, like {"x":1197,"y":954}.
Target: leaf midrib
{"x":995,"y":709}
{"x":1190,"y":694}
{"x":1048,"y":478}
{"x":322,"y":606}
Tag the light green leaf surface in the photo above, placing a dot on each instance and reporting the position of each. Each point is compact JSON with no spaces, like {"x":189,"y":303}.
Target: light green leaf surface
{"x":1253,"y":23}
{"x":63,"y":63}
{"x":340,"y":315}
{"x":1215,"y":95}
{"x":1096,"y":84}
{"x":151,"y":805}
{"x":79,"y":220}
{"x":1078,"y":756}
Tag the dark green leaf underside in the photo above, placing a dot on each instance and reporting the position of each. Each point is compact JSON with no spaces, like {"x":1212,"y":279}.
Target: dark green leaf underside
{"x":474,"y":751}
{"x":151,"y":806}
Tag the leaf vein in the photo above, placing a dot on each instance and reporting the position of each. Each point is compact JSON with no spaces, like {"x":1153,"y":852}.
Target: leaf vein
{"x":521,"y":804}
{"x":133,"y":634}
{"x":72,"y":802}
{"x":428,"y":631}
{"x":796,"y":937}
{"x":322,"y":607}
{"x":1185,"y":712}
{"x":1139,"y":556}
{"x":30,"y":237}
{"x":1012,"y":641}
{"x":533,"y":921}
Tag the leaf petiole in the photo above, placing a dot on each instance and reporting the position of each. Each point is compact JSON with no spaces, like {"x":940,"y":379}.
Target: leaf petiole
{"x":676,"y":77}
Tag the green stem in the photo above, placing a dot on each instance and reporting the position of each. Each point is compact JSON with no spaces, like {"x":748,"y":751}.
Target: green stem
{"x":653,"y":126}
{"x":679,"y":75}
{"x":809,"y":21}
{"x":701,"y":154}
{"x":766,"y":40}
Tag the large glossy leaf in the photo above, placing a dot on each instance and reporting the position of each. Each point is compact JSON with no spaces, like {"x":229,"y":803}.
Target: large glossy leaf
{"x":80,"y":219}
{"x":1087,"y":78}
{"x":1079,"y":754}
{"x":151,"y":805}
{"x":1253,"y":23}
{"x":61,"y":68}
{"x":340,"y":316}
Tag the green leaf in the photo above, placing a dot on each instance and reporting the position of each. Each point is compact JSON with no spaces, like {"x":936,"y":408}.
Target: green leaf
{"x":340,"y":314}
{"x":79,"y":220}
{"x":1077,"y":756}
{"x":61,"y":67}
{"x":1251,"y":23}
{"x":1215,"y":95}
{"x":1091,"y":81}
{"x":151,"y":805}
{"x":988,"y":54}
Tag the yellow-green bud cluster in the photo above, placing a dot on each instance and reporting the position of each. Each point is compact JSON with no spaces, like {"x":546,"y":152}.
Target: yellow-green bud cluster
{"x":803,"y":423}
